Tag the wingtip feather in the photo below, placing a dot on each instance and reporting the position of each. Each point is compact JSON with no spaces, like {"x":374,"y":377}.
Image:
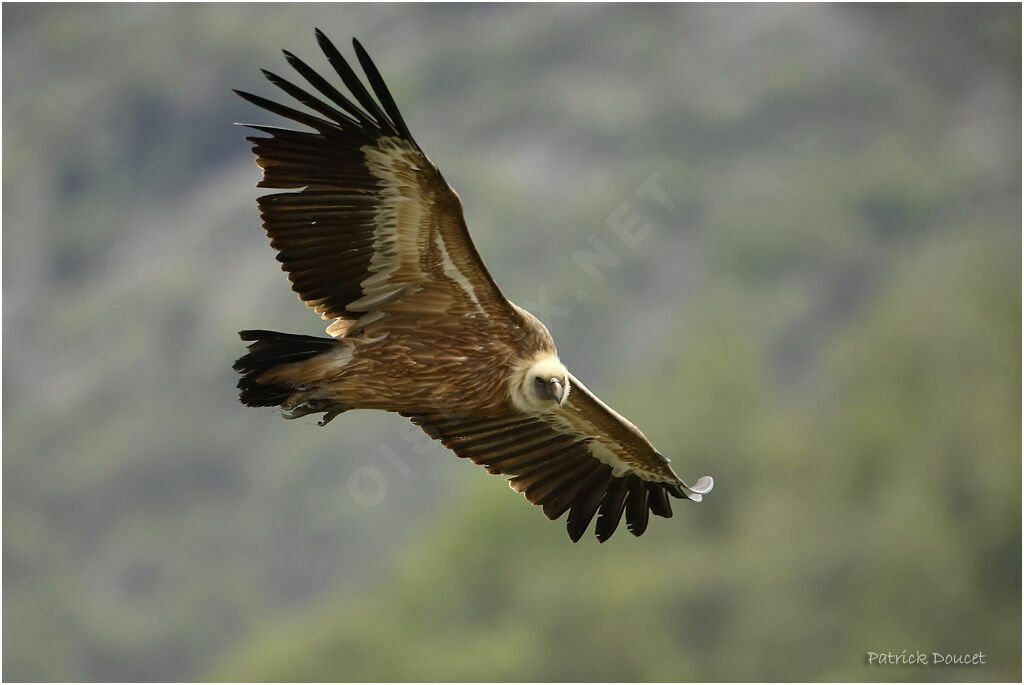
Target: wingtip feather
{"x":703,"y":485}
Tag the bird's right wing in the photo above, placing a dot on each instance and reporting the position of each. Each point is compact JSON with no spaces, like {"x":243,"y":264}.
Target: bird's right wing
{"x":584,"y":458}
{"x":371,"y":227}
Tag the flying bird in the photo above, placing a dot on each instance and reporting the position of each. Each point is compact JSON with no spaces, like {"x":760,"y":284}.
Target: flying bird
{"x":373,"y":238}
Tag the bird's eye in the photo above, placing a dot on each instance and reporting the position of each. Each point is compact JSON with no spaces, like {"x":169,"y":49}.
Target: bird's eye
{"x":539,"y":383}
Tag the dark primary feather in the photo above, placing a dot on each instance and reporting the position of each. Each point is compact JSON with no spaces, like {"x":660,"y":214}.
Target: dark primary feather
{"x":320,"y":125}
{"x":325,"y":230}
{"x":342,"y":203}
{"x":588,"y":499}
{"x":611,"y":510}
{"x":553,"y":470}
{"x":659,"y":502}
{"x":636,"y":506}
{"x":381,"y":90}
{"x":352,"y":82}
{"x":329,"y":91}
{"x":325,"y":233}
{"x":308,"y":99}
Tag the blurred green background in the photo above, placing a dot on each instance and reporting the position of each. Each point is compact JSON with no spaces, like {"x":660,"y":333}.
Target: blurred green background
{"x":824,"y":314}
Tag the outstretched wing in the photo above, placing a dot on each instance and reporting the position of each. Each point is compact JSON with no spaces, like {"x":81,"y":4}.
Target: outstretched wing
{"x":372,"y":223}
{"x":583,"y":458}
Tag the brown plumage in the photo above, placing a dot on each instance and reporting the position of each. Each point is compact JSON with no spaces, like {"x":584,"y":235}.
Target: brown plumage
{"x":373,"y":238}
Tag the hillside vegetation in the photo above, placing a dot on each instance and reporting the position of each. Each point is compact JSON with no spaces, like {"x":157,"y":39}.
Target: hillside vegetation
{"x":825,"y":315}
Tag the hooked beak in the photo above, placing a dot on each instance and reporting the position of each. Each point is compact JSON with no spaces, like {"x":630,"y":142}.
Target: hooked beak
{"x":557,"y":390}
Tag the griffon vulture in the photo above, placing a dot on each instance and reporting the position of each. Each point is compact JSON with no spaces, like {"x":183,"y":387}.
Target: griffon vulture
{"x":372,"y":237}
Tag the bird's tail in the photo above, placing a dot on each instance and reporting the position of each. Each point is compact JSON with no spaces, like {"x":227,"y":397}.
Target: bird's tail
{"x":268,"y":351}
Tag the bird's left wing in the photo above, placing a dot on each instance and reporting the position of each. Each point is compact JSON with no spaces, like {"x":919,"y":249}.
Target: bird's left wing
{"x":371,"y":227}
{"x":583,"y":458}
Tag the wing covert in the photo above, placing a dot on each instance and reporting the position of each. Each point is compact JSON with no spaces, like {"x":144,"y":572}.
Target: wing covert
{"x":370,"y":222}
{"x":555,"y":467}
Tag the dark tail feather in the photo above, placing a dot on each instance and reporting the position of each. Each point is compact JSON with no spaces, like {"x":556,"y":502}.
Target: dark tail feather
{"x":270,"y":349}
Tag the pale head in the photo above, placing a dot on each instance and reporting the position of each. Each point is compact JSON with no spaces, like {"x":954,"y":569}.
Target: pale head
{"x":541,"y":385}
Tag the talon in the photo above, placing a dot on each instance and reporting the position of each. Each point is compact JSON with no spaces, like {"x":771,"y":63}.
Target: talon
{"x":328,"y":415}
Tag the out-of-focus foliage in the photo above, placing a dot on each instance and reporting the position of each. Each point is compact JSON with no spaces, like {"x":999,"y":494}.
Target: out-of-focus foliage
{"x":825,"y":315}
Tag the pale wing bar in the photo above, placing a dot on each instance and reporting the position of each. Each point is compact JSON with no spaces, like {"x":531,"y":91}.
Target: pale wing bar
{"x":615,"y":441}
{"x":554,"y":470}
{"x":348,"y":238}
{"x":325,"y":233}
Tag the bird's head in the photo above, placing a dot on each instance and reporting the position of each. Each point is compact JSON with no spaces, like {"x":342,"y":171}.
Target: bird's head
{"x":542,"y":385}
